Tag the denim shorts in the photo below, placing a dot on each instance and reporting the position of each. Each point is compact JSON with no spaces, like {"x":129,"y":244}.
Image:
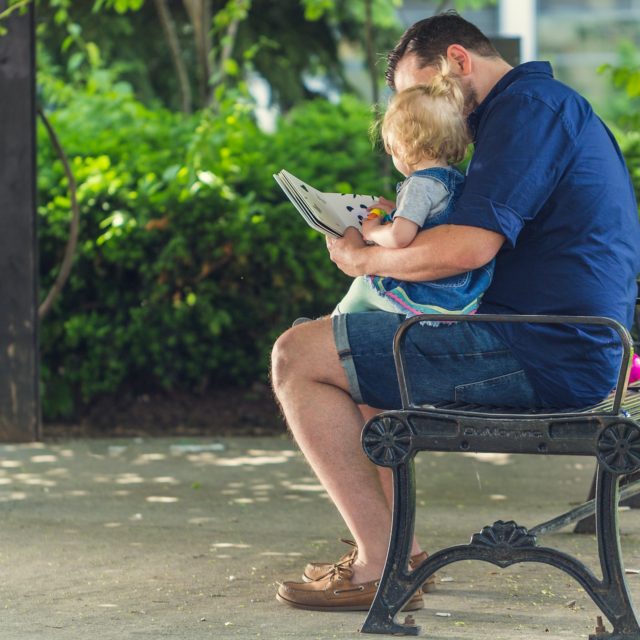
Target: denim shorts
{"x":446,"y":362}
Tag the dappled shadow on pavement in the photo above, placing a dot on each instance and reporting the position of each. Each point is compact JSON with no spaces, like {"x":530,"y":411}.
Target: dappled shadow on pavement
{"x":187,"y":538}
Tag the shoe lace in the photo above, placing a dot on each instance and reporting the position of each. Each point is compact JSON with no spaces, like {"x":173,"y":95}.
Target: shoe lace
{"x":341,"y":570}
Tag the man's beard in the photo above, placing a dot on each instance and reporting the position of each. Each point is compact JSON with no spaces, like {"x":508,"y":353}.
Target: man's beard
{"x":470,"y":98}
{"x":469,"y":94}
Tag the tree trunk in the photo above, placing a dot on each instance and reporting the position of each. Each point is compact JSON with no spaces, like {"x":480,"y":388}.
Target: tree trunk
{"x":371,"y":52}
{"x":199,"y":12}
{"x":169,"y":29}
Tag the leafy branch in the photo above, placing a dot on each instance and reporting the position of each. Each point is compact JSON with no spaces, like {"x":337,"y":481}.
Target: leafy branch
{"x":13,"y":6}
{"x":72,"y":241}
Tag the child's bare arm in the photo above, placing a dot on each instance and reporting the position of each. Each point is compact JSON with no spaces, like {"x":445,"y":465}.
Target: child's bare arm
{"x":396,"y":235}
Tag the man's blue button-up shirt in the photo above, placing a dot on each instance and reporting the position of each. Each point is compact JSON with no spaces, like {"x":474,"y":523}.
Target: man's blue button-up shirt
{"x":548,"y":175}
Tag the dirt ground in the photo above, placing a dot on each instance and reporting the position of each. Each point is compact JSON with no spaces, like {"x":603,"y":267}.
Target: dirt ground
{"x":233,"y":411}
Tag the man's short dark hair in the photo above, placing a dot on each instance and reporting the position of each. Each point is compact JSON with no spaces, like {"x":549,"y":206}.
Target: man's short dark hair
{"x":429,"y":39}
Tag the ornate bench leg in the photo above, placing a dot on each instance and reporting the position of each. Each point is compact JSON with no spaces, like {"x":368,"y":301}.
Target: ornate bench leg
{"x":396,"y":585}
{"x":613,"y":598}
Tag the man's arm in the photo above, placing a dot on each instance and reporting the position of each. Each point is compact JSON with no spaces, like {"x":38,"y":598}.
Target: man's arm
{"x":442,"y":251}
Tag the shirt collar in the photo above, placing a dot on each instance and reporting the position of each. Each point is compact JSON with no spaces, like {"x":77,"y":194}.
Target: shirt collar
{"x":522,"y":70}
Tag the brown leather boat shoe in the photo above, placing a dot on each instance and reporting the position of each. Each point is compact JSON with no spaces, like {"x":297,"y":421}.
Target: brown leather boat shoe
{"x":336,"y":592}
{"x":318,"y":570}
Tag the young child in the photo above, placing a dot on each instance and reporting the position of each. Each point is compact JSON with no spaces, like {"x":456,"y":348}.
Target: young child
{"x":425,"y":131}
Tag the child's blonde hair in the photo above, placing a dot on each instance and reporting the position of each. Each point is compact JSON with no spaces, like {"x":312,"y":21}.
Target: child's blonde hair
{"x":427,"y":120}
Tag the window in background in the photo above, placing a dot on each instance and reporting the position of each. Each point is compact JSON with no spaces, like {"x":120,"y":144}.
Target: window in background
{"x":578,"y":36}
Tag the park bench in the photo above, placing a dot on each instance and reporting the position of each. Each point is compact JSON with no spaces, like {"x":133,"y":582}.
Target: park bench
{"x":609,"y":431}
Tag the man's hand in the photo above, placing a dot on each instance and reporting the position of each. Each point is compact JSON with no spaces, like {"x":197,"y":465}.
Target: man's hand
{"x":348,"y":252}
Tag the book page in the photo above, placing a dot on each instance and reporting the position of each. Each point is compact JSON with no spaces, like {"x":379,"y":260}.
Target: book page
{"x":301,"y":206}
{"x":331,"y":211}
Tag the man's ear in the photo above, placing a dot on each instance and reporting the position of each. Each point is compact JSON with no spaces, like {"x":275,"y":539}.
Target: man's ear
{"x":460,"y":59}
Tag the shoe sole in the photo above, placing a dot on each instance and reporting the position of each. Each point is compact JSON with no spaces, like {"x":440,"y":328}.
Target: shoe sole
{"x":410,"y":606}
{"x":428,"y":587}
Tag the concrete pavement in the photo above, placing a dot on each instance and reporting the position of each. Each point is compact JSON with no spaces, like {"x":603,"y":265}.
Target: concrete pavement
{"x":186,"y":538}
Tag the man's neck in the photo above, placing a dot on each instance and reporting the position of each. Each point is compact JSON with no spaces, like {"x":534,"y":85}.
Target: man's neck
{"x":488,"y":72}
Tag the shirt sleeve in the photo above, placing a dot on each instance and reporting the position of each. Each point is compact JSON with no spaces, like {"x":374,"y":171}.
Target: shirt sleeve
{"x":420,"y":198}
{"x":523,"y":148}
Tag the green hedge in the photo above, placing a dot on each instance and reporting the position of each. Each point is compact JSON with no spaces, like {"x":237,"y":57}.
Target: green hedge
{"x":190,"y":261}
{"x":630,"y":147}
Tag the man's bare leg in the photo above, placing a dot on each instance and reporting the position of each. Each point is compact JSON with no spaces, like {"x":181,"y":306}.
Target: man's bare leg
{"x":312,"y":389}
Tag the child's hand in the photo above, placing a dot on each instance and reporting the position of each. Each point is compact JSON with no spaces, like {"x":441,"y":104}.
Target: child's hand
{"x":386,"y":205}
{"x":369,"y":225}
{"x":374,"y":213}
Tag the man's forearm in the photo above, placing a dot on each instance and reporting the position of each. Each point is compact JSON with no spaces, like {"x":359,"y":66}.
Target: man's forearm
{"x":436,"y":253}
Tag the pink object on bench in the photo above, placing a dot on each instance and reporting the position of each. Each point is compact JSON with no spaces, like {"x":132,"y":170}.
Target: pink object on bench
{"x":634,"y":374}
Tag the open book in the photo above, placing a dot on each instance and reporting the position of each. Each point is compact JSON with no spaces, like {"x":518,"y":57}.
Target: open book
{"x":329,"y":213}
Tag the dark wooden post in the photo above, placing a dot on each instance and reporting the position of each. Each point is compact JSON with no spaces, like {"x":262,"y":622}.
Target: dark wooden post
{"x":19,"y":398}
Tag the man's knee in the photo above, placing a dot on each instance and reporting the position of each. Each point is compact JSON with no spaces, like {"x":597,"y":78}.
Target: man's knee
{"x":305,"y":353}
{"x":284,"y":357}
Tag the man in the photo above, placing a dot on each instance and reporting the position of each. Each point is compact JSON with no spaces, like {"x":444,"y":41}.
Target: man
{"x":548,"y":195}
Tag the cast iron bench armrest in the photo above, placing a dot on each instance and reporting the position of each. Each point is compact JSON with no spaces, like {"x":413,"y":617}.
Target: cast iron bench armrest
{"x":606,"y":431}
{"x":623,"y":333}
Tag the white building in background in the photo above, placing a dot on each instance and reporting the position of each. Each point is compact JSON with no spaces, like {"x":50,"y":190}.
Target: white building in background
{"x":578,"y":36}
{"x":517,"y":19}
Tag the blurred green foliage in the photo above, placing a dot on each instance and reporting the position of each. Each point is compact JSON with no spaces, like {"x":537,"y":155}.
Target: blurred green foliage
{"x":630,"y":147}
{"x":625,"y":107}
{"x":190,"y":260}
{"x":285,"y":42}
